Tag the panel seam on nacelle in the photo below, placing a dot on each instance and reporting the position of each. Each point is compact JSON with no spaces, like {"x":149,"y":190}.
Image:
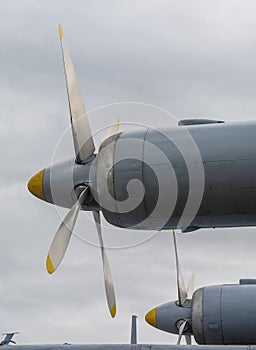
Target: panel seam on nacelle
{"x":222,"y":335}
{"x":142,"y":171}
{"x":114,"y":187}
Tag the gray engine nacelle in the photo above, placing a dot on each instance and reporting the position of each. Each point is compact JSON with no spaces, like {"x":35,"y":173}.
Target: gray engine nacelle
{"x":169,"y":178}
{"x":225,"y":314}
{"x":222,"y":314}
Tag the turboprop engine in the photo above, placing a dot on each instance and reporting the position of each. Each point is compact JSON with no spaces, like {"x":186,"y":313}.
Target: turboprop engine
{"x":221,"y":314}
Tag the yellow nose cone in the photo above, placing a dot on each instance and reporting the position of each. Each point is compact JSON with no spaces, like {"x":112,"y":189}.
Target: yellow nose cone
{"x":35,"y":185}
{"x":151,"y":317}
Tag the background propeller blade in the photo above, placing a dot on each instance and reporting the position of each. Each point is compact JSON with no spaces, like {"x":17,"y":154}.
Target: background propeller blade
{"x":182,"y":294}
{"x":181,"y":330}
{"x":62,"y":237}
{"x":190,"y":287}
{"x":112,"y":130}
{"x":82,"y":136}
{"x":188,"y":339}
{"x":109,"y":286}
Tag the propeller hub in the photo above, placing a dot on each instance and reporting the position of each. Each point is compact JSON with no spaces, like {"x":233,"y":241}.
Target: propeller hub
{"x":62,"y":183}
{"x":167,"y":317}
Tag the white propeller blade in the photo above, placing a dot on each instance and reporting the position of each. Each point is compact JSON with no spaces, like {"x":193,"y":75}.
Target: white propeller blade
{"x":190,"y":287}
{"x":109,"y":287}
{"x":181,"y":330}
{"x":62,"y":237}
{"x":112,"y":130}
{"x":182,"y":294}
{"x":83,"y":142}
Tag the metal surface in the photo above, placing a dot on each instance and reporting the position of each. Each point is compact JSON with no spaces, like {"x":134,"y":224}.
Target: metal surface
{"x":168,"y":315}
{"x":142,"y":180}
{"x":126,"y":347}
{"x":134,"y":330}
{"x":182,"y":293}
{"x":216,"y":315}
{"x":108,"y":280}
{"x":83,"y":142}
{"x":211,"y":332}
{"x":229,"y":196}
{"x":227,"y":314}
{"x":62,"y":237}
{"x":229,"y":163}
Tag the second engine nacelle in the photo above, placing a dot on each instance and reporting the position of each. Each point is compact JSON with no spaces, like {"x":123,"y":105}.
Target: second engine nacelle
{"x":225,"y":314}
{"x":222,"y":314}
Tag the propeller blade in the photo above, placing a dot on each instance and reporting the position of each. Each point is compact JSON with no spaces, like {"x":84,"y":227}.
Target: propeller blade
{"x":82,"y":137}
{"x":112,"y":130}
{"x":182,"y":294}
{"x":109,"y":287}
{"x":188,"y":339}
{"x":181,"y":330}
{"x":61,"y":239}
{"x":190,"y":287}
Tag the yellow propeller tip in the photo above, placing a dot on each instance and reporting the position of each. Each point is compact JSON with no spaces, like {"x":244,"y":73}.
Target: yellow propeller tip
{"x":49,"y":265}
{"x":61,"y":31}
{"x":118,"y":122}
{"x":113,"y":311}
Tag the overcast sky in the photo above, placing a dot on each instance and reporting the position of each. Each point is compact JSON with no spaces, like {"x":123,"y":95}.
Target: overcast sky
{"x":191,"y":58}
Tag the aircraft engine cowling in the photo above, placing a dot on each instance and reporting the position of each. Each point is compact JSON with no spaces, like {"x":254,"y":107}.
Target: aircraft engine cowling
{"x":129,"y":180}
{"x":170,"y":177}
{"x":216,"y":315}
{"x":225,"y":314}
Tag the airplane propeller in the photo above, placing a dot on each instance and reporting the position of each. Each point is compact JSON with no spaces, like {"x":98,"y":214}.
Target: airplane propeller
{"x":183,"y":293}
{"x":84,"y":150}
{"x":62,"y":237}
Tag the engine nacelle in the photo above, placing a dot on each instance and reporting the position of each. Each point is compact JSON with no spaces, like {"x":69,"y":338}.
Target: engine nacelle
{"x":135,"y":183}
{"x":216,"y":315}
{"x":169,"y":178}
{"x":163,"y":179}
{"x":224,"y":314}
